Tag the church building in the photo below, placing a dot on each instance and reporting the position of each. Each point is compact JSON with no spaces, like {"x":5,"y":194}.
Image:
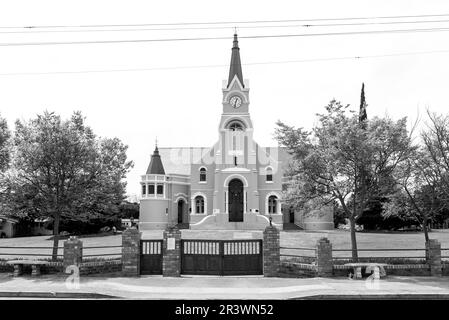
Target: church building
{"x":233,"y":185}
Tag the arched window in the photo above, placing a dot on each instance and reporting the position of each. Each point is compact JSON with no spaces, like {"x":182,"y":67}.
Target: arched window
{"x":203,"y":174}
{"x":199,"y":204}
{"x":236,"y":126}
{"x":272,"y":204}
{"x":269,"y":174}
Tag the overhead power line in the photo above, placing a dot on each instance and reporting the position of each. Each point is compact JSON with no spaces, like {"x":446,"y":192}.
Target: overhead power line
{"x":223,"y":65}
{"x":223,"y":38}
{"x":32,"y":31}
{"x":227,"y":22}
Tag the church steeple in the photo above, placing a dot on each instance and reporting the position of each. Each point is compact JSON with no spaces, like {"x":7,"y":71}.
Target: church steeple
{"x":156,"y":166}
{"x":236,"y":66}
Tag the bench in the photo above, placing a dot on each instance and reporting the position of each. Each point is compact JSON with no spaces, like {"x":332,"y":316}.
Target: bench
{"x":377,"y":269}
{"x":35,"y":266}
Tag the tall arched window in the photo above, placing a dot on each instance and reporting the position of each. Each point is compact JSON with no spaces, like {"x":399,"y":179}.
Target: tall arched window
{"x":199,"y":204}
{"x":272,"y":204}
{"x":203,"y":174}
{"x":269,"y":174}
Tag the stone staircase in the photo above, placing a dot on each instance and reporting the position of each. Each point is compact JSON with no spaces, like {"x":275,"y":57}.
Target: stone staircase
{"x":251,"y":221}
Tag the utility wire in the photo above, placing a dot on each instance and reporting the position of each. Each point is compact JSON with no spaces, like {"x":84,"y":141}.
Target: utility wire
{"x":223,"y":38}
{"x":223,"y":65}
{"x":226,"y":22}
{"x":29,"y":31}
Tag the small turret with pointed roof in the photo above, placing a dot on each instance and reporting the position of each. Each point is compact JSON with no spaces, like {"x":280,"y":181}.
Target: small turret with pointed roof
{"x":236,"y":66}
{"x":156,"y":166}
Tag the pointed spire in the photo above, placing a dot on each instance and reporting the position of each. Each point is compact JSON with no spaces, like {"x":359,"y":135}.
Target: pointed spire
{"x":156,"y":166}
{"x":236,"y":66}
{"x":362,"y":113}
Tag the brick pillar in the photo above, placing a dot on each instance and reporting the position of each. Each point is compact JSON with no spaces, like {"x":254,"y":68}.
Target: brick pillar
{"x":324,"y":263}
{"x":131,"y":252}
{"x":271,"y":252}
{"x":73,"y":252}
{"x":171,"y":259}
{"x":433,"y":257}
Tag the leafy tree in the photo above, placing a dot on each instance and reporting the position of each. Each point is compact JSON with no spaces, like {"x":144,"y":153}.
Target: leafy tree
{"x":420,"y":196}
{"x":326,"y":161}
{"x":5,"y":151}
{"x":424,"y":177}
{"x":63,"y":170}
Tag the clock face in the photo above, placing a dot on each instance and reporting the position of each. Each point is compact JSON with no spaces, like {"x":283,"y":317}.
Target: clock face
{"x":235,"y":101}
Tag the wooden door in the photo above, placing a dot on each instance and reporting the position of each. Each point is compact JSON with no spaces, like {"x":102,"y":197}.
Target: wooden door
{"x":235,"y":193}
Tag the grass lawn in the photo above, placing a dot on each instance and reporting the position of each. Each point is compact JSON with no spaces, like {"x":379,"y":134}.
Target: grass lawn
{"x":340,"y":239}
{"x":45,"y":241}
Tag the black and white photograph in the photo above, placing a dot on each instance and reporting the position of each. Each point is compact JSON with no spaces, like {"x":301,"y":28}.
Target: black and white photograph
{"x":227,"y":156}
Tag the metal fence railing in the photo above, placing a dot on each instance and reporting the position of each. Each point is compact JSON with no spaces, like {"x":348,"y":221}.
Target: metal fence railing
{"x":392,"y":255}
{"x":112,"y":252}
{"x":445,"y":254}
{"x":22,"y":252}
{"x":301,"y":254}
{"x":45,"y":253}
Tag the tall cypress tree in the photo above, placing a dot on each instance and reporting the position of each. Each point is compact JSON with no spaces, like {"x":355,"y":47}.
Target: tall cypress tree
{"x":361,"y":179}
{"x":362,"y":113}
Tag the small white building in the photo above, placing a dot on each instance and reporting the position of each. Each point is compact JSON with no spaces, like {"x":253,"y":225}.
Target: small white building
{"x":127,"y":223}
{"x":7,"y":226}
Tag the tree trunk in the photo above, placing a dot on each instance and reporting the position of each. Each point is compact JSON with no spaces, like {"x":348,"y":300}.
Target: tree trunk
{"x":355,"y":256}
{"x":55,"y":237}
{"x":424,"y":226}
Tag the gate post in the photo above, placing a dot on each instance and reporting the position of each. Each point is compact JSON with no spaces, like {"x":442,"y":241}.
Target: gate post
{"x":171,"y":250}
{"x":131,"y":252}
{"x":271,"y":252}
{"x":324,"y":262}
{"x":433,"y":257}
{"x":73,"y":252}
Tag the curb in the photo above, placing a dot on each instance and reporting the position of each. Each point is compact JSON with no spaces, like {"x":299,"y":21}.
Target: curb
{"x":407,"y":296}
{"x":56,"y":295}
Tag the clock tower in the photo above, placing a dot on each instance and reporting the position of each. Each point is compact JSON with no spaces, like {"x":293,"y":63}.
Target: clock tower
{"x":236,"y":128}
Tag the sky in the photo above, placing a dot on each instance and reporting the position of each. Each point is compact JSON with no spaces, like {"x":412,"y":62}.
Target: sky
{"x":172,"y":89}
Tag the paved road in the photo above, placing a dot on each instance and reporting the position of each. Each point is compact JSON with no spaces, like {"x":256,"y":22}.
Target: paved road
{"x":195,"y":287}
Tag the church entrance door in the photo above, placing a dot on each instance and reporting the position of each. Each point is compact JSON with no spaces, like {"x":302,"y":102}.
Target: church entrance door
{"x":180,"y":211}
{"x":235,"y":200}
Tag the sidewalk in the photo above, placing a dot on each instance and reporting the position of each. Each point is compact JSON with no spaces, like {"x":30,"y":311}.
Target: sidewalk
{"x":195,"y":287}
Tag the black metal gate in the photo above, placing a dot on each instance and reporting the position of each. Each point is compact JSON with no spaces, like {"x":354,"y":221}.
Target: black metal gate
{"x":151,"y":257}
{"x":221,"y":257}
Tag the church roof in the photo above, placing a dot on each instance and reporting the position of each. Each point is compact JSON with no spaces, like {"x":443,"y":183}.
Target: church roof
{"x":236,"y":66}
{"x":155,"y":166}
{"x":179,"y":160}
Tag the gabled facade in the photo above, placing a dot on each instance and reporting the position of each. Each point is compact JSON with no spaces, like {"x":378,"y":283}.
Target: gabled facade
{"x":235,"y":184}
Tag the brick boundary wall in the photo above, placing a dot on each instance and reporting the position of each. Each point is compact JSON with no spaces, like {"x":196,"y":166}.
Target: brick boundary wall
{"x":101,"y":267}
{"x":324,"y":262}
{"x":86,"y":268}
{"x":51,"y":268}
{"x":392,"y":270}
{"x":291,"y":269}
{"x":131,"y":252}
{"x":73,"y":252}
{"x":388,"y":260}
{"x":171,"y":259}
{"x":433,"y":255}
{"x":271,"y":252}
{"x":445,"y":268}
